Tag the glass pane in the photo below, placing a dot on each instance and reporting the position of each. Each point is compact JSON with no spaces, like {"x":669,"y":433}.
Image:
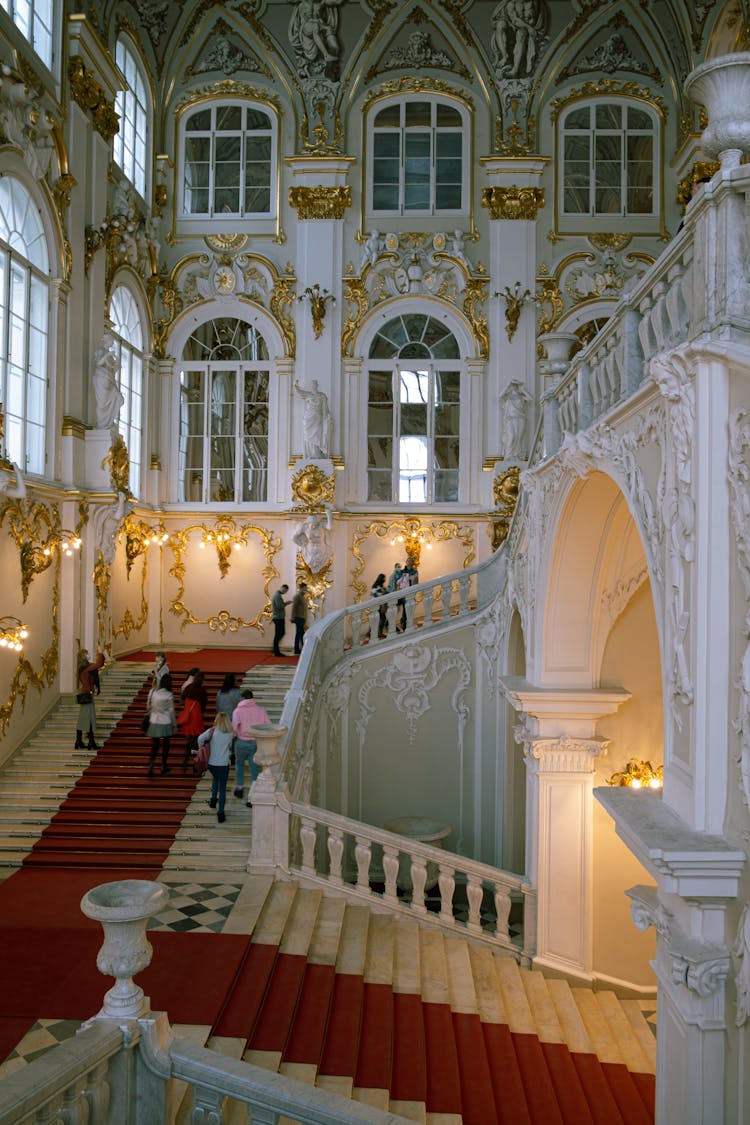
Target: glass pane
{"x":579,"y":118}
{"x":608,"y":116}
{"x":418,"y":113}
{"x":446,"y":453}
{"x":415,"y":325}
{"x":389,"y":116}
{"x":228,"y":118}
{"x":380,"y":419}
{"x":639,"y":119}
{"x":380,"y":453}
{"x":385,"y":198}
{"x":577,"y":148}
{"x":447,"y":348}
{"x":257,"y":119}
{"x":387,"y":144}
{"x":448,"y":197}
{"x":413,"y":419}
{"x":227,"y":148}
{"x":446,"y":486}
{"x":379,"y":485}
{"x":381,"y":387}
{"x":200,"y":120}
{"x":448,"y":115}
{"x":414,"y":387}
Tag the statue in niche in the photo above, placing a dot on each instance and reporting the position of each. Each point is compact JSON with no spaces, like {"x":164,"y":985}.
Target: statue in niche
{"x":316,"y":421}
{"x":108,"y":398}
{"x":520,"y":26}
{"x":313,"y":35}
{"x":514,"y":401}
{"x":106,"y":522}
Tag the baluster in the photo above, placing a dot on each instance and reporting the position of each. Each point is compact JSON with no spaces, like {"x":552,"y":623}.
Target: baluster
{"x":502,"y":910}
{"x":75,"y":1110}
{"x":363,"y":855}
{"x":463,"y":592}
{"x":447,"y":599}
{"x":475,"y":893}
{"x":393,"y":616}
{"x":418,"y":880}
{"x":97,"y":1094}
{"x":308,"y":836}
{"x":260,"y":1115}
{"x":529,"y":923}
{"x":335,"y":852}
{"x":49,"y":1114}
{"x":447,"y":885}
{"x":207,"y":1107}
{"x":428,"y":601}
{"x":390,"y":867}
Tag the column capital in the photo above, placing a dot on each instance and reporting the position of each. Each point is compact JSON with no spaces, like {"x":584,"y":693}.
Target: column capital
{"x":557,"y":712}
{"x":560,"y":755}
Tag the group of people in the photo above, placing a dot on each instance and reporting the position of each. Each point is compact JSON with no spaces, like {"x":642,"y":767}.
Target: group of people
{"x":298,"y":615}
{"x":401,"y":577}
{"x":228,"y":736}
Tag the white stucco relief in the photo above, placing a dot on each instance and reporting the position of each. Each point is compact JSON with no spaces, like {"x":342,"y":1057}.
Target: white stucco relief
{"x":415,"y":671}
{"x":615,"y":599}
{"x":739,"y":503}
{"x":741,"y":953}
{"x":675,"y":381}
{"x":490,"y":634}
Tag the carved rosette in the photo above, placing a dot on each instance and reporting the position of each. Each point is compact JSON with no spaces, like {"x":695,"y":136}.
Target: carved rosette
{"x":513,"y":202}
{"x":88,"y":94}
{"x":320,"y":202}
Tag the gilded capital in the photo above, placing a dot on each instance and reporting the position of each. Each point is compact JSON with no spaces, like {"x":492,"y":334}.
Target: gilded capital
{"x":319,"y":202}
{"x":513,"y":202}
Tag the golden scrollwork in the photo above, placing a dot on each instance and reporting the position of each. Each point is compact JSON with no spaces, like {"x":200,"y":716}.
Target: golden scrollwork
{"x":612,"y":86}
{"x":317,"y":583}
{"x":514,"y":302}
{"x":88,"y":94}
{"x":119,"y":465}
{"x":222,"y":621}
{"x":64,"y":185}
{"x":411,"y":529}
{"x":226,"y":243}
{"x":408,"y":84}
{"x":475,"y":295}
{"x":320,"y":202}
{"x":505,"y":489}
{"x":355,"y":293}
{"x":138,"y":538}
{"x":610,"y":240}
{"x":312,"y":489}
{"x":701,"y":170}
{"x":25,"y":675}
{"x":227,"y":87}
{"x":101,"y":578}
{"x":280,"y":305}
{"x":129,"y":624}
{"x":225,"y":537}
{"x":37,"y":532}
{"x":551,"y":303}
{"x":513,"y":202}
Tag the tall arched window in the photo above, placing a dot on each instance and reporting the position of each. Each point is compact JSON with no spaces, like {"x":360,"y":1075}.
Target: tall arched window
{"x":24,"y":312}
{"x":132,"y":140}
{"x":228,"y":161}
{"x":609,"y":160}
{"x":414,"y":413}
{"x":418,"y":157}
{"x":35,"y":19}
{"x":224,"y":400}
{"x":128,"y":333}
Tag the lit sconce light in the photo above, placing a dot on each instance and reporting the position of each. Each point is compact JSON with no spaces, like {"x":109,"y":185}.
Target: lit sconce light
{"x":12,"y":633}
{"x":139,"y":537}
{"x":36,"y":557}
{"x":639,"y":775}
{"x":225,"y":539}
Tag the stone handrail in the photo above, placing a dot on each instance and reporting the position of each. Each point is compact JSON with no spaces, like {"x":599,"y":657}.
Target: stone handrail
{"x":350,"y":631}
{"x":350,"y":856}
{"x":69,"y":1083}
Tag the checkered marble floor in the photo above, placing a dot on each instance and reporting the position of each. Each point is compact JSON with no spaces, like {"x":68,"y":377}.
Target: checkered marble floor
{"x":196,"y":907}
{"x":38,"y":1039}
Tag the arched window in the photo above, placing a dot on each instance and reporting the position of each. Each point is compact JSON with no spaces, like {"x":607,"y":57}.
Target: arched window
{"x":418,"y":157}
{"x":609,"y":161}
{"x":414,"y":413}
{"x":35,"y":19}
{"x":128,"y":333}
{"x":228,"y":161}
{"x":224,"y":400}
{"x":132,"y":140}
{"x":24,"y":304}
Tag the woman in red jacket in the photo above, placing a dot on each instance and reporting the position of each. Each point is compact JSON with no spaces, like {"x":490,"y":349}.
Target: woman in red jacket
{"x":87,"y":680}
{"x":190,"y":720}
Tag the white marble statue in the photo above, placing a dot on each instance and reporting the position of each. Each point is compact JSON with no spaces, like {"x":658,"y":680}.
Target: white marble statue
{"x":108,"y":397}
{"x":106,"y":521}
{"x":514,"y":401}
{"x":316,"y":421}
{"x":12,"y":484}
{"x":312,"y":541}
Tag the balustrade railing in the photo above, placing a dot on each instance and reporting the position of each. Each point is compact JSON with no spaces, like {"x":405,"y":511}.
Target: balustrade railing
{"x":414,"y":878}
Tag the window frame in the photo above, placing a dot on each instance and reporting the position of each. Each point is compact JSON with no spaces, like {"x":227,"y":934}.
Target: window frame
{"x":23,"y":424}
{"x":623,"y":220}
{"x":259,"y":222}
{"x":10,"y":7}
{"x":132,"y":370}
{"x":406,"y":131}
{"x":131,"y":138}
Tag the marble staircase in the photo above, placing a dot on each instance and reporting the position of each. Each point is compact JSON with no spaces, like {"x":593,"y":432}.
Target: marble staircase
{"x":420,"y":1024}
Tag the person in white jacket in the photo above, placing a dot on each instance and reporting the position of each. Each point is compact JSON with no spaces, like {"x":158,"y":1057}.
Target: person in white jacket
{"x":161,"y":721}
{"x":221,"y":738}
{"x":246,"y":714}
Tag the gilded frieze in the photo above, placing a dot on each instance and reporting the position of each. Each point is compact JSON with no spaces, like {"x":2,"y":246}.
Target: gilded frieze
{"x":408,"y":84}
{"x":413,"y":532}
{"x":513,"y":202}
{"x":320,"y":202}
{"x":227,"y":87}
{"x":223,"y":620}
{"x":611,"y":86}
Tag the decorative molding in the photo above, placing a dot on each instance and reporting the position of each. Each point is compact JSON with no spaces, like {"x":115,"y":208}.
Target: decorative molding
{"x":505,"y":490}
{"x":408,"y":84}
{"x":490,"y":632}
{"x":411,"y":526}
{"x":738,"y":474}
{"x":607,"y":86}
{"x":646,"y":910}
{"x":412,"y":674}
{"x":615,"y":600}
{"x":741,"y":953}
{"x":559,"y":755}
{"x":513,"y":202}
{"x":312,"y":488}
{"x":320,"y":202}
{"x":226,"y":87}
{"x":88,"y":94}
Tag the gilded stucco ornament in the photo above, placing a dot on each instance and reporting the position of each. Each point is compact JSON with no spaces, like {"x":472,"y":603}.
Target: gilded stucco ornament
{"x":25,"y":675}
{"x":513,"y":202}
{"x":88,"y":94}
{"x":608,"y":87}
{"x":514,"y":299}
{"x":505,"y":490}
{"x":320,"y":202}
{"x":118,"y":462}
{"x":222,"y":621}
{"x":312,"y":489}
{"x":37,"y":531}
{"x":409,"y":529}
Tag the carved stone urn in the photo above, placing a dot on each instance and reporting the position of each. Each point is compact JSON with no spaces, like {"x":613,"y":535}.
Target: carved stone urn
{"x":559,"y":347}
{"x":124,"y":908}
{"x":267,"y":736}
{"x":722,"y":85}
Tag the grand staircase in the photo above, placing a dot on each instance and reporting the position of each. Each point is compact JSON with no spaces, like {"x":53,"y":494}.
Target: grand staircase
{"x":421,"y":1024}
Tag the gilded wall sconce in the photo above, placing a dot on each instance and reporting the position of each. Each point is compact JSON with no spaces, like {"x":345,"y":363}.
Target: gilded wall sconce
{"x":317,"y":298}
{"x":413,"y":542}
{"x":35,"y":557}
{"x":139,"y":537}
{"x":639,"y":775}
{"x":514,"y":302}
{"x":225,"y":538}
{"x":12,"y":633}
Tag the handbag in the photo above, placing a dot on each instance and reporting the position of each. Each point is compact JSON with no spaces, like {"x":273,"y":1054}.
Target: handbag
{"x":200,"y":761}
{"x":84,"y":697}
{"x":145,"y":722}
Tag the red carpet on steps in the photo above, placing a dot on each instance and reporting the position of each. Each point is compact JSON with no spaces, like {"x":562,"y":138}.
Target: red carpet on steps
{"x":118,"y":823}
